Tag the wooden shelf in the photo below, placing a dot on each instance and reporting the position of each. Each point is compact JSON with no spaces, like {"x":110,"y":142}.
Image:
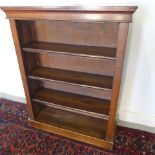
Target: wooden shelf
{"x":84,"y":105}
{"x":45,"y":73}
{"x":73,"y":122}
{"x":76,"y":50}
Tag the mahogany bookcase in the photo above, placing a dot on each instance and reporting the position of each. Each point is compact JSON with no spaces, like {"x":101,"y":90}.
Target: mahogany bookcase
{"x":71,"y":60}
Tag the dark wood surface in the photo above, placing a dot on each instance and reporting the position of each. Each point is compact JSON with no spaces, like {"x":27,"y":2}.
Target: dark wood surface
{"x":77,"y":50}
{"x":123,"y":9}
{"x":82,"y":34}
{"x":21,"y":66}
{"x":122,"y":39}
{"x":68,"y":101}
{"x":71,"y":61}
{"x":75,"y":63}
{"x":80,"y":13}
{"x":70,"y":134}
{"x":74,"y":122}
{"x":85,"y":90}
{"x":72,"y":77}
{"x":75,"y":82}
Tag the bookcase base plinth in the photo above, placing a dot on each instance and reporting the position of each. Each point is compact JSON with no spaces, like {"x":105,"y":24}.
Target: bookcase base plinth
{"x":70,"y":134}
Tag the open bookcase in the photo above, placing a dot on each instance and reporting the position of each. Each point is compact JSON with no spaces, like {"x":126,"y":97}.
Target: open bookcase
{"x":71,"y":62}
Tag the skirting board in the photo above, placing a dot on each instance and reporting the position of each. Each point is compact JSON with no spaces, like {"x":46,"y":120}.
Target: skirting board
{"x":13,"y":98}
{"x":135,"y":120}
{"x":136,"y":126}
{"x":120,"y":120}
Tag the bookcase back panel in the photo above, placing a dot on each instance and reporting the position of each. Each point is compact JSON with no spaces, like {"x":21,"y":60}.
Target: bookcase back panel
{"x":73,"y":121}
{"x":82,"y":104}
{"x":74,"y":63}
{"x":30,"y":61}
{"x":78,"y":89}
{"x":80,"y":33}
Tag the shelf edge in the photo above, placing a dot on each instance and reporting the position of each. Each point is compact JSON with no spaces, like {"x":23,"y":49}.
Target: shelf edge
{"x":75,"y":110}
{"x":66,"y":53}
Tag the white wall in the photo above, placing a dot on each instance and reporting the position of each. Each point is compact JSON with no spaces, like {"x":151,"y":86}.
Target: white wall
{"x":137,"y":103}
{"x":10,"y":80}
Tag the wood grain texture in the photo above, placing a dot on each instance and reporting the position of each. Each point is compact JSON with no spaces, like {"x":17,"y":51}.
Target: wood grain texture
{"x":97,"y":14}
{"x":72,"y":77}
{"x":21,"y":66}
{"x":73,"y":122}
{"x":74,"y":82}
{"x":76,"y":50}
{"x":70,"y":134}
{"x":123,"y":9}
{"x":75,"y":63}
{"x":85,"y":90}
{"x":73,"y":33}
{"x":122,"y":39}
{"x":73,"y":102}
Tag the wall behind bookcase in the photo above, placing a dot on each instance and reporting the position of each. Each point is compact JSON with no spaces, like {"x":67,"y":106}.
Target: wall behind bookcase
{"x":137,"y":98}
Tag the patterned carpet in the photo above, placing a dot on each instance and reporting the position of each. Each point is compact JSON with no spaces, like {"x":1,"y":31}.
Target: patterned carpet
{"x":17,"y":138}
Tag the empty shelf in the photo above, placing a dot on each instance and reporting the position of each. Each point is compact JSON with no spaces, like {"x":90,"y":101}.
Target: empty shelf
{"x":71,"y":77}
{"x":79,"y":50}
{"x":85,"y":105}
{"x":73,"y":122}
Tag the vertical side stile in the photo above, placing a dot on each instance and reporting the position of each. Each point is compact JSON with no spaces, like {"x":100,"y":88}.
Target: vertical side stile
{"x":21,"y":66}
{"x":121,"y":45}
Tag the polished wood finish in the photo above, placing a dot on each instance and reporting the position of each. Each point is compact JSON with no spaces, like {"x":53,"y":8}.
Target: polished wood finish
{"x":75,"y":82}
{"x":73,"y":122}
{"x":85,"y":90}
{"x":71,"y":134}
{"x":77,"y":63}
{"x":82,"y":104}
{"x":21,"y":66}
{"x":81,"y":13}
{"x":69,"y":34}
{"x":76,"y":50}
{"x":122,"y":38}
{"x":71,"y":61}
{"x":112,"y":9}
{"x":72,"y":77}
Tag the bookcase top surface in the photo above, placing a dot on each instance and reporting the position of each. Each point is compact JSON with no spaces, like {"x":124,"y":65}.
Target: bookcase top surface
{"x":129,"y":9}
{"x":72,"y":13}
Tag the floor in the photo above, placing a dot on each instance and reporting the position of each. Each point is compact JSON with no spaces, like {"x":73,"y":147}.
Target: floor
{"x":17,"y":138}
